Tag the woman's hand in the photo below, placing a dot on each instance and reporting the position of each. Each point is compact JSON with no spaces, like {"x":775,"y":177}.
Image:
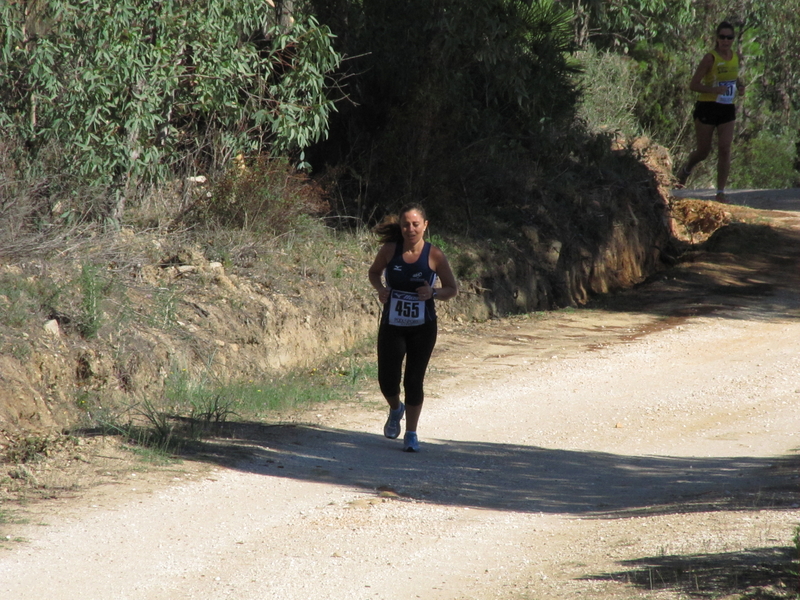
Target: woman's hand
{"x":425,"y":292}
{"x":383,"y":295}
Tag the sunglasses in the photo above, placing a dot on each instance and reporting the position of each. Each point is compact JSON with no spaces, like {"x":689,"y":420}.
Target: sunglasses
{"x":725,"y":37}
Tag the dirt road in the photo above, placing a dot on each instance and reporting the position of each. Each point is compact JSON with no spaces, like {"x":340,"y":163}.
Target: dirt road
{"x":644,"y":447}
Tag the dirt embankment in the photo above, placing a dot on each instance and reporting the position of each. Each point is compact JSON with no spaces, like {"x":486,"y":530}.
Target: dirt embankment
{"x":231,"y":323}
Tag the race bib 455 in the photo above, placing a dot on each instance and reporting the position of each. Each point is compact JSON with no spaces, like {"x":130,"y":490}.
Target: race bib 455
{"x":406,"y":309}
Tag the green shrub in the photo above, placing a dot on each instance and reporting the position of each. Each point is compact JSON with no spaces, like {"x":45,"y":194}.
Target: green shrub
{"x":608,"y":92}
{"x":438,"y":241}
{"x":449,"y":95}
{"x":663,"y":100}
{"x":766,"y":161}
{"x":23,"y":298}
{"x":268,"y":196}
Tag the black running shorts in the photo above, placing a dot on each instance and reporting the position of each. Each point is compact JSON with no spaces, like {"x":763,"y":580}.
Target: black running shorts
{"x":714,"y":113}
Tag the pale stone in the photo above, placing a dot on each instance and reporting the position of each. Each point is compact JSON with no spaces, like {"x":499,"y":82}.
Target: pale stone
{"x":52,"y":328}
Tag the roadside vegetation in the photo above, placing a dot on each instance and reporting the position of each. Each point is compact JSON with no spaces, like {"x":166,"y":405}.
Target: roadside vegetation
{"x":149,"y":152}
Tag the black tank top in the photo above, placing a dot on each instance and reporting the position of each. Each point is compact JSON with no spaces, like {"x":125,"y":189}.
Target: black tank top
{"x":407,"y":277}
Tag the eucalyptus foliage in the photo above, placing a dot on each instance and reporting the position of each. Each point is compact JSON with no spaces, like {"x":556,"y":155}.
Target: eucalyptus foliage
{"x":621,"y":23}
{"x":130,"y":90}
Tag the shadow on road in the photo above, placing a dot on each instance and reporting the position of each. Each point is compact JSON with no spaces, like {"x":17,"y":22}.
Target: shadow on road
{"x":750,"y":265}
{"x":508,"y":476}
{"x":744,"y":264}
{"x":713,"y":575}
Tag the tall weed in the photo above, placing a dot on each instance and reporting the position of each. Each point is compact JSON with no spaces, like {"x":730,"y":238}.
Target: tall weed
{"x":91,"y":292}
{"x":608,"y":94}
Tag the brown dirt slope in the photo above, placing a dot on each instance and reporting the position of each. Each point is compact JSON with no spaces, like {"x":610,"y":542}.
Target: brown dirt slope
{"x":192,"y":314}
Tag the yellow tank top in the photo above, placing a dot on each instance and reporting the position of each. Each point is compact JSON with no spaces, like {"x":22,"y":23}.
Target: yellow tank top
{"x":723,"y":72}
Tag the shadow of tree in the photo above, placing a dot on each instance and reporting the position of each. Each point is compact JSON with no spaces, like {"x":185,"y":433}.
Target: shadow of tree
{"x":506,"y":476}
{"x":764,"y":573}
{"x":741,"y":264}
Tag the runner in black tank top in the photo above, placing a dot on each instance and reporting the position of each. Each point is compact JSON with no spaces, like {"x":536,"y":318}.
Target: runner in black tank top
{"x":406,"y":278}
{"x":404,"y":273}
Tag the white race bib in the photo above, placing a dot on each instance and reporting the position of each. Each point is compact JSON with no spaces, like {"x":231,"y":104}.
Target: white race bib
{"x":730,"y":92}
{"x":406,"y":309}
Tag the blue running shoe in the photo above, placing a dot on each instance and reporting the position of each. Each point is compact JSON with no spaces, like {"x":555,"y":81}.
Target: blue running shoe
{"x":392,"y":428}
{"x":410,"y":443}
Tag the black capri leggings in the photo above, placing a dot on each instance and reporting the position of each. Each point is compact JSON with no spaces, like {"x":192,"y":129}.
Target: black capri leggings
{"x":416,"y":345}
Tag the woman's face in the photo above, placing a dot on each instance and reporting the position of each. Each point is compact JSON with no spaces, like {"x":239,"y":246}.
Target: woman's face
{"x":725,"y":39}
{"x":413,"y":226}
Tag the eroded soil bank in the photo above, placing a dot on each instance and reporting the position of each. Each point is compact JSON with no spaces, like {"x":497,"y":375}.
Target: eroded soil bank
{"x":155,"y":307}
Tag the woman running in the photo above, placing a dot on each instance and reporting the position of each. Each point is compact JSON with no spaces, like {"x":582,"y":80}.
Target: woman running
{"x":404,"y":274}
{"x":717,"y":82}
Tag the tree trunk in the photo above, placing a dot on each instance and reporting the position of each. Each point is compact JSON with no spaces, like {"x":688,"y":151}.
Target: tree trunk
{"x":285,"y":10}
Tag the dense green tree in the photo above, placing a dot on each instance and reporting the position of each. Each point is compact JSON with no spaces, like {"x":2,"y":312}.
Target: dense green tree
{"x":772,"y":38}
{"x":443,"y":88}
{"x":132,"y":91}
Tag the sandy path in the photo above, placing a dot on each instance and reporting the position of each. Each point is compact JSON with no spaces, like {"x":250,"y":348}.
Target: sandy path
{"x":578,"y":453}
